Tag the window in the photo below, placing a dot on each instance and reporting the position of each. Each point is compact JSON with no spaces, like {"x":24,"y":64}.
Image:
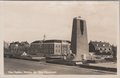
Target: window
{"x":53,"y":46}
{"x":50,"y":51}
{"x":109,"y":48}
{"x":56,"y":50}
{"x":102,"y":48}
{"x":59,"y":50}
{"x":50,"y":46}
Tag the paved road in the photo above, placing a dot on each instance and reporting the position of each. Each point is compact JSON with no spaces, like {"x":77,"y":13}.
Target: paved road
{"x":19,"y":66}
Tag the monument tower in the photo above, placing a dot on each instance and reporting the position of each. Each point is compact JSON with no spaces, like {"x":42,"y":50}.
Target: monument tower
{"x":79,"y":40}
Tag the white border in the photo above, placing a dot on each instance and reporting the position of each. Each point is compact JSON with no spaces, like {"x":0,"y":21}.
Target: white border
{"x":58,"y":76}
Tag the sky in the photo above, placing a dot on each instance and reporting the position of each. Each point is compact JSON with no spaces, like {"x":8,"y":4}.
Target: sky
{"x":29,"y":21}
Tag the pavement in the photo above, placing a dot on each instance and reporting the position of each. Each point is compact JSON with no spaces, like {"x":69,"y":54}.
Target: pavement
{"x":101,"y":66}
{"x":23,"y":67}
{"x":108,"y":64}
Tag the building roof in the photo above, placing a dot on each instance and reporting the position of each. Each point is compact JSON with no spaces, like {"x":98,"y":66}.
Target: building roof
{"x":100,"y":44}
{"x":52,"y":40}
{"x":58,"y":41}
{"x":38,"y":41}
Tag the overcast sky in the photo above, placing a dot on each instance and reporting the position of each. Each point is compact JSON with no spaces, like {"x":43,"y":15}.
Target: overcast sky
{"x":29,"y":21}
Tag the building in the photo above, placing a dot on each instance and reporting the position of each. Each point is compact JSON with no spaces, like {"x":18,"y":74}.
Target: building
{"x":50,"y":48}
{"x":56,"y":48}
{"x":100,"y":48}
{"x":36,"y":48}
{"x":114,"y":49}
{"x":14,"y":47}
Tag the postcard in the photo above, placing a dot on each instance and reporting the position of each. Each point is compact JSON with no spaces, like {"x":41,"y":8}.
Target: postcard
{"x":59,"y":39}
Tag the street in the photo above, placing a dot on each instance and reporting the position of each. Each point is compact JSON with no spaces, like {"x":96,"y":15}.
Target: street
{"x":21,"y":67}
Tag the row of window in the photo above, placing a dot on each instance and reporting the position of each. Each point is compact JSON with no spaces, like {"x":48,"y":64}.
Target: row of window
{"x":103,"y":45}
{"x":49,"y":51}
{"x":103,"y":48}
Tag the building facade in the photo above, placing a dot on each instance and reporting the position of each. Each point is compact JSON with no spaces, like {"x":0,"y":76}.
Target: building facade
{"x":114,"y":49}
{"x":36,"y":48}
{"x":50,"y":48}
{"x":100,"y":48}
{"x":56,"y":47}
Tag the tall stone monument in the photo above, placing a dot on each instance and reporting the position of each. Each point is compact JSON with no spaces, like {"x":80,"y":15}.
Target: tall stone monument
{"x":79,"y":40}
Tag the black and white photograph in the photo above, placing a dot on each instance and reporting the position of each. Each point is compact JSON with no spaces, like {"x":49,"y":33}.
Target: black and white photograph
{"x":60,"y":37}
